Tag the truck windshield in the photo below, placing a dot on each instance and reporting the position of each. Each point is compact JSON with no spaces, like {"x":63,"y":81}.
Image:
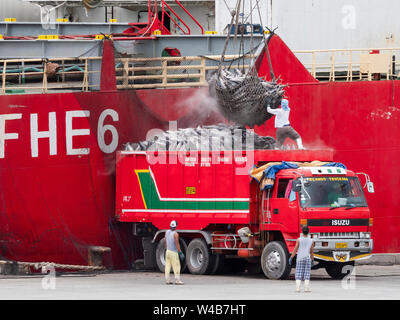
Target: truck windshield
{"x":318,"y":192}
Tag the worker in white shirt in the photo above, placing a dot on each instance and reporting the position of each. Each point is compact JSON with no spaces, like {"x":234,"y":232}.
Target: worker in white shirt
{"x":283,"y":128}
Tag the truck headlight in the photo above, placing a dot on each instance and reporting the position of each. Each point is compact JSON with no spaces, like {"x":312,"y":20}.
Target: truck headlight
{"x":314,"y":235}
{"x":365,"y":235}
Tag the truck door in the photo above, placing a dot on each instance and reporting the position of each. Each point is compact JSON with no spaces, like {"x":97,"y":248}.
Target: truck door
{"x":284,"y":208}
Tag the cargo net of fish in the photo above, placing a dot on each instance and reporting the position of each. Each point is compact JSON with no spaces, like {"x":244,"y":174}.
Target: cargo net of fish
{"x":206,"y":138}
{"x":244,"y":97}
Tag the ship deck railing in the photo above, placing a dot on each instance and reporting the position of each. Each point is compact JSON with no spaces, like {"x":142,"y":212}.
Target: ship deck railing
{"x":83,"y":74}
{"x":76,"y":74}
{"x":32,"y":75}
{"x":351,"y":64}
{"x":171,"y":72}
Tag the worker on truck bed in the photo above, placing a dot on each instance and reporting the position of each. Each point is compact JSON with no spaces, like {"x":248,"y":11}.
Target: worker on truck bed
{"x":172,"y":254}
{"x":283,"y":128}
{"x":305,"y":254}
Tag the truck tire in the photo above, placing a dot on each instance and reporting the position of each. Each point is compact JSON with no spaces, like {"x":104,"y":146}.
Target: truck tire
{"x":218,"y":263}
{"x":160,"y":254}
{"x":199,"y":259}
{"x":335,"y":269}
{"x":274,"y":261}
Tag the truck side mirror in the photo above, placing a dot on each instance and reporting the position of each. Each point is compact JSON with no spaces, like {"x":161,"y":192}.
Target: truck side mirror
{"x":369,"y":184}
{"x":296,"y":186}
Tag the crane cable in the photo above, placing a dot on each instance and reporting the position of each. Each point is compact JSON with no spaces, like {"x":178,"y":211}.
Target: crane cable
{"x":233,"y":14}
{"x":92,"y":4}
{"x":271,"y":70}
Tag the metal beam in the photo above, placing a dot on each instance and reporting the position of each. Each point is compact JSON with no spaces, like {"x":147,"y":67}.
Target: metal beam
{"x":112,"y":3}
{"x":191,"y":45}
{"x":197,"y":45}
{"x":33,"y":29}
{"x":11,"y":49}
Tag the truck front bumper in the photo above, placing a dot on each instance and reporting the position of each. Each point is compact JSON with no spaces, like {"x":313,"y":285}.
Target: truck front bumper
{"x":342,"y":250}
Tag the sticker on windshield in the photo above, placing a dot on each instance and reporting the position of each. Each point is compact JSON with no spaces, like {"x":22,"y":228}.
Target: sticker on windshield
{"x":338,"y":179}
{"x":316,"y":179}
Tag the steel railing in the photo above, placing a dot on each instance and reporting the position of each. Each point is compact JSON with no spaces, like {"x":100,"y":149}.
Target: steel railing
{"x":169,"y":72}
{"x":44,"y":75}
{"x":351,"y":64}
{"x":34,"y":75}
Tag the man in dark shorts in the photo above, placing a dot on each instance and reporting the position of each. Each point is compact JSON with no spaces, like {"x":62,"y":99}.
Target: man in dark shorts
{"x":283,"y":128}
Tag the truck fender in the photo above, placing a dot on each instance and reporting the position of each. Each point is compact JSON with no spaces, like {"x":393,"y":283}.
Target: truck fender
{"x":206,"y":234}
{"x":290,"y":240}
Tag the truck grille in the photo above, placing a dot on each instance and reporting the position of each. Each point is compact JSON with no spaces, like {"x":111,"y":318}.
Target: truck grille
{"x":340,"y":235}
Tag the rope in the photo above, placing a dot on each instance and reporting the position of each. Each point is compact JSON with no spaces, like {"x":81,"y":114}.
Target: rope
{"x":266,"y":47}
{"x":91,"y":4}
{"x":38,"y":265}
{"x":242,"y":96}
{"x":233,"y":59}
{"x":229,"y":9}
{"x":251,"y":12}
{"x":89,"y":50}
{"x":252,"y":35}
{"x":237,"y":18}
{"x":233,"y":14}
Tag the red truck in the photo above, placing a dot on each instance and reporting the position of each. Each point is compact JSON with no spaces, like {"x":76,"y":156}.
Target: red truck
{"x":224,"y":213}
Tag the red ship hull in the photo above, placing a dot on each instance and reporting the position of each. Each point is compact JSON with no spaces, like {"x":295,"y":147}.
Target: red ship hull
{"x":57,"y":172}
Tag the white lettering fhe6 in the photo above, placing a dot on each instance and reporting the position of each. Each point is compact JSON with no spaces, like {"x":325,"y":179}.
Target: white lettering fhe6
{"x":51,"y":133}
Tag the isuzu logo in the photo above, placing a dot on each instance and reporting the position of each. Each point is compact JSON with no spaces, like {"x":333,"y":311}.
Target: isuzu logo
{"x":336,"y":222}
{"x":341,"y":222}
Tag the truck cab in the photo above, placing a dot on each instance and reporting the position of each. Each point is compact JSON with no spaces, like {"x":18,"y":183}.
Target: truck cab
{"x":331,"y":202}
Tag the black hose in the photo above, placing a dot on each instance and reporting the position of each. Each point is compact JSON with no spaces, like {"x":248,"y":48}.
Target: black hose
{"x":91,"y":4}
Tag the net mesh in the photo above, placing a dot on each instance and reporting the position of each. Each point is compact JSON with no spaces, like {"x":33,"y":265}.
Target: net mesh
{"x":244,"y":97}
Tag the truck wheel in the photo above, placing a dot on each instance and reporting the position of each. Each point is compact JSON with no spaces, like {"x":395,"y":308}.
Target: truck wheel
{"x":335,"y":269}
{"x":198,"y":257}
{"x":218,"y":264}
{"x":221,"y":264}
{"x":274,"y":261}
{"x":160,"y":254}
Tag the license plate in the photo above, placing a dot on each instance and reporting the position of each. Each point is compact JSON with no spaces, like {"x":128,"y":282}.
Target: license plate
{"x":341,"y":245}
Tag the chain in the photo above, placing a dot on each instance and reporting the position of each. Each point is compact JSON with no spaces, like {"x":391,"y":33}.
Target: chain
{"x":39,"y":265}
{"x":229,"y":9}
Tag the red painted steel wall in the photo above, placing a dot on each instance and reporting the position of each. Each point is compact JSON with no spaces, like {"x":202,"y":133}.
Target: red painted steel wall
{"x":285,"y":65}
{"x":52,"y":207}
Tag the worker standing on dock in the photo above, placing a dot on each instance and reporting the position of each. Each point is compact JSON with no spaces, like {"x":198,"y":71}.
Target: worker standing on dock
{"x":305,"y":255}
{"x":283,"y":128}
{"x":172,"y":254}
